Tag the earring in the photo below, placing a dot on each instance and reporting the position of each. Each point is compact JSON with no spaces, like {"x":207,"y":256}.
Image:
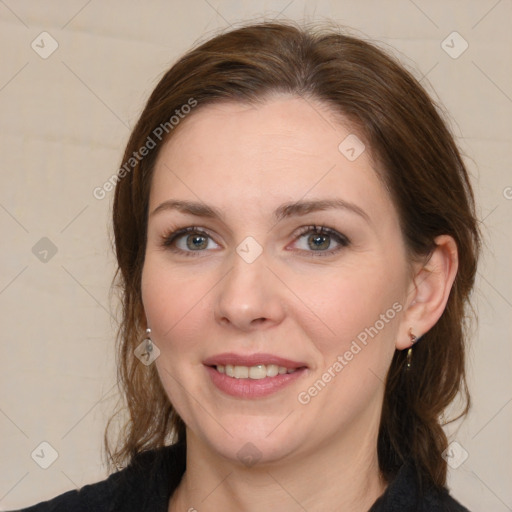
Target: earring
{"x":149,"y":344}
{"x":147,"y":351}
{"x":413,"y":339}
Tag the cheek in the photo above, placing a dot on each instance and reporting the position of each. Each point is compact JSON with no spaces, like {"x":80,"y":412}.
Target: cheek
{"x":173,"y":302}
{"x":176,"y":308}
{"x":355,"y":309}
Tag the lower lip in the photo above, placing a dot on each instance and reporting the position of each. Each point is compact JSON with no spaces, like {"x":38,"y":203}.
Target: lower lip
{"x":252,"y":388}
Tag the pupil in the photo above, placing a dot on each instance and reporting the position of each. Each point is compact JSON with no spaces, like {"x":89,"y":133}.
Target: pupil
{"x":319,"y":241}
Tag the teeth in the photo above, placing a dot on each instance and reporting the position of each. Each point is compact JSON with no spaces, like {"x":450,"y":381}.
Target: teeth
{"x":256,"y":372}
{"x":273,"y":370}
{"x":240,"y":372}
{"x":260,"y":371}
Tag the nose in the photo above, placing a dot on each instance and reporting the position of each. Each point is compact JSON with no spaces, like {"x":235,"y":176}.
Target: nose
{"x":249,"y":297}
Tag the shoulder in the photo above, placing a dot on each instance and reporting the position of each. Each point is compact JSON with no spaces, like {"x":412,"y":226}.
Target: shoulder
{"x":405,"y":494}
{"x":90,"y":497}
{"x":146,"y":484}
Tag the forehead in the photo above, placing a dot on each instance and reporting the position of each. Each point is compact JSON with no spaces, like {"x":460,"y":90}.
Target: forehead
{"x":284,"y":149}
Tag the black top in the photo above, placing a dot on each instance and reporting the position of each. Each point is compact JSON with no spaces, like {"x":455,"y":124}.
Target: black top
{"x":147,"y":484}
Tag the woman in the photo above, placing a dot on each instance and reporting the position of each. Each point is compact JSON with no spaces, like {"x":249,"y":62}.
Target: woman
{"x":297,"y":243}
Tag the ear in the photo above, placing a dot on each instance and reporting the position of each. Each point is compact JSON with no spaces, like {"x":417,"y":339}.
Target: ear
{"x":429,"y":291}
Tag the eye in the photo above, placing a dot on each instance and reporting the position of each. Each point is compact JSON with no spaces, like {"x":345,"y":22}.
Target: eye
{"x":321,"y":240}
{"x":188,"y":240}
{"x":315,"y":240}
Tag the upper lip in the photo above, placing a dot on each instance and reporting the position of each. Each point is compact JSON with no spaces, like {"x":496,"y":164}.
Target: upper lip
{"x":251,"y":360}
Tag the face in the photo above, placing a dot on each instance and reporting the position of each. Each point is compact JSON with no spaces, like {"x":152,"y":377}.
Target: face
{"x":271,"y":251}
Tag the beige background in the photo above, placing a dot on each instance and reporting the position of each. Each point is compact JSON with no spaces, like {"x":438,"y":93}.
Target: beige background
{"x":65,"y":120}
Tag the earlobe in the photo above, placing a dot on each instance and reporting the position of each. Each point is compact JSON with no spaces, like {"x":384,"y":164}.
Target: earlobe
{"x":430,"y":290}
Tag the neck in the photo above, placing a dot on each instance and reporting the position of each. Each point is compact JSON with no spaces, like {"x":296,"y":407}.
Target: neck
{"x":341,"y":475}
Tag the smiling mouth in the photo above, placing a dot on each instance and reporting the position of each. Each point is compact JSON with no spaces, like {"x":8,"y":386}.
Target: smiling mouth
{"x":256,"y":372}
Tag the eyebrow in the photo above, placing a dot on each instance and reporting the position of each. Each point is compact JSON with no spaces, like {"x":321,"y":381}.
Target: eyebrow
{"x":286,"y":210}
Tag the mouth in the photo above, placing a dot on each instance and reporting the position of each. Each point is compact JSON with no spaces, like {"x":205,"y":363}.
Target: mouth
{"x":252,"y":376}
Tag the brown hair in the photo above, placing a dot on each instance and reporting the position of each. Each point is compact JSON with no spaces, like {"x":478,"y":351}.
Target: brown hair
{"x":422,"y":169}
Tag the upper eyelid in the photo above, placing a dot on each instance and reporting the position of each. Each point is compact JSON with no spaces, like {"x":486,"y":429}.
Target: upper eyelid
{"x":181,"y":232}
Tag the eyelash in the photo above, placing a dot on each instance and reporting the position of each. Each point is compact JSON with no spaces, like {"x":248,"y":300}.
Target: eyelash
{"x":169,"y":238}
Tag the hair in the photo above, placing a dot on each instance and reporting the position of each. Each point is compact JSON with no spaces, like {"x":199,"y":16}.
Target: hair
{"x":423,"y":172}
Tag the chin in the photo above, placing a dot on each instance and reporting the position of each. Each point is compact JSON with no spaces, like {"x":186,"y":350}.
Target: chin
{"x":257,"y":441}
{"x":251,"y":452}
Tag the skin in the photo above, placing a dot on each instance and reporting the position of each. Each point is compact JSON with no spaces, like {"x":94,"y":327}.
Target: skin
{"x":290,"y":301}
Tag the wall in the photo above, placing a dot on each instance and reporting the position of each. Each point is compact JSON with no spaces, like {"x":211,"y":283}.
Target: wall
{"x":65,"y":119}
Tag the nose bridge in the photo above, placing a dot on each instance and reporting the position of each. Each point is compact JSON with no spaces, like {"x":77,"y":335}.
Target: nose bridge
{"x":248,"y":294}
